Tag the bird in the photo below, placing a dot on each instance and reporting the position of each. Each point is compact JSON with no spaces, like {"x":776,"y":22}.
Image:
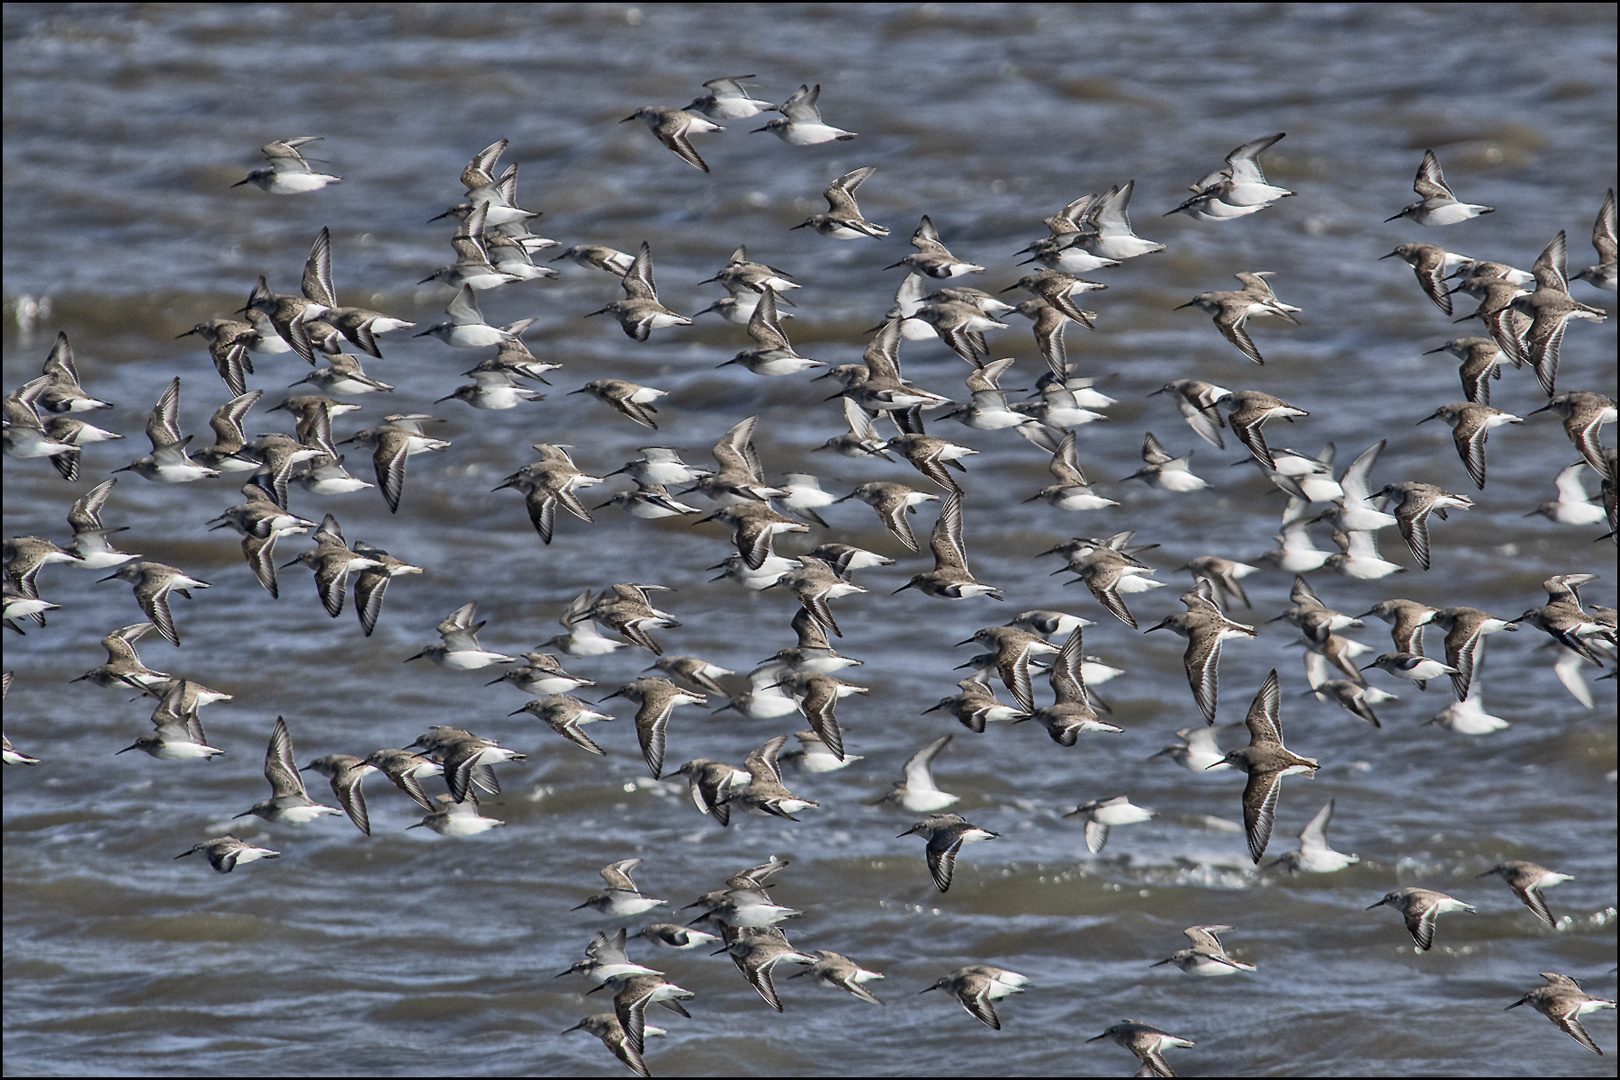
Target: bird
{"x":709,"y":782}
{"x":1470,"y":425}
{"x":1419,"y":669}
{"x":674,"y":128}
{"x":153,"y":582}
{"x":606,"y":958}
{"x":1267,"y":761}
{"x":1466,"y":628}
{"x":1100,"y":814}
{"x":843,"y":220}
{"x":626,"y":609}
{"x":728,"y":100}
{"x":1238,"y":190}
{"x":1573,"y":505}
{"x":1602,"y":274}
{"x":916,"y":791}
{"x":1231,"y":310}
{"x":1197,"y":749}
{"x":933,"y":258}
{"x":1198,"y":402}
{"x":976,"y":706}
{"x":458,"y":649}
{"x":673,"y":936}
{"x":598,"y":257}
{"x":606,"y":1026}
{"x":371,"y":583}
{"x":816,"y":694}
{"x":548,"y":484}
{"x":756,"y":957}
{"x":1072,"y":491}
{"x":1481,"y":360}
{"x":1413,"y":503}
{"x":333,"y":561}
{"x":1585,"y":414}
{"x":945,"y":834}
{"x":1550,"y":307}
{"x":621,"y":898}
{"x":773,"y":354}
{"x":1164,"y":471}
{"x":950,"y":579}
{"x":1250,"y":409}
{"x":1352,"y":696}
{"x":287,"y":172}
{"x":394,"y":443}
{"x":564,"y":715}
{"x":1107,"y":230}
{"x":288,"y":800}
{"x":1147,"y":1042}
{"x":178,"y":732}
{"x":765,"y":791}
{"x":632,"y":995}
{"x":224,"y":852}
{"x":346,"y":772}
{"x":656,"y":701}
{"x":978,"y":987}
{"x":1207,"y":956}
{"x":640,"y":313}
{"x":1314,"y":855}
{"x":1437,"y":205}
{"x":1226,"y":575}
{"x":1564,"y":1003}
{"x":1421,"y":908}
{"x":754,"y":525}
{"x":1071,"y":711}
{"x":841,"y":973}
{"x":1012,"y":647}
{"x":1526,"y":879}
{"x":1205,"y":628}
{"x":1108,"y":573}
{"x":892,"y":502}
{"x":168,"y":462}
{"x":1058,"y":250}
{"x":1432,"y":264}
{"x":800,"y":123}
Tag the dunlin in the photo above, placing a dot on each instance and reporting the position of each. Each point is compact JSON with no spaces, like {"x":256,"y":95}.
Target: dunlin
{"x":621,"y":899}
{"x":800,"y":123}
{"x":674,"y":128}
{"x":1421,"y":908}
{"x":843,"y":220}
{"x":458,"y":649}
{"x":1267,"y":761}
{"x":1314,"y":855}
{"x":841,"y":973}
{"x":1207,"y":957}
{"x":1147,"y":1042}
{"x":1238,"y":190}
{"x":1437,"y":205}
{"x":1526,"y":879}
{"x":224,"y":852}
{"x":727,"y":99}
{"x":1100,"y":814}
{"x":153,"y":582}
{"x":288,"y":800}
{"x":1564,"y":1002}
{"x":945,"y":834}
{"x":977,"y":987}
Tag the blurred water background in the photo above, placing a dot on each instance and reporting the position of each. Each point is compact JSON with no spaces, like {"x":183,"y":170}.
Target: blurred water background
{"x":125,"y":127}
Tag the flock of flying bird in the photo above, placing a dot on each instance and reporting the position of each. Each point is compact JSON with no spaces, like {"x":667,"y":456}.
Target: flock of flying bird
{"x":1525,"y":315}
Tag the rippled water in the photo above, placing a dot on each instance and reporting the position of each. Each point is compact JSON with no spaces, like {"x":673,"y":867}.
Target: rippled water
{"x":124,"y":128}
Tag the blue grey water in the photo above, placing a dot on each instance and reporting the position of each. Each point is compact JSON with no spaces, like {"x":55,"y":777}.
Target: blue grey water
{"x":125,"y":127}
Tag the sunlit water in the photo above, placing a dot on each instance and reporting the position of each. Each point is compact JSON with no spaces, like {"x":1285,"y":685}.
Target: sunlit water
{"x":125,"y":128}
